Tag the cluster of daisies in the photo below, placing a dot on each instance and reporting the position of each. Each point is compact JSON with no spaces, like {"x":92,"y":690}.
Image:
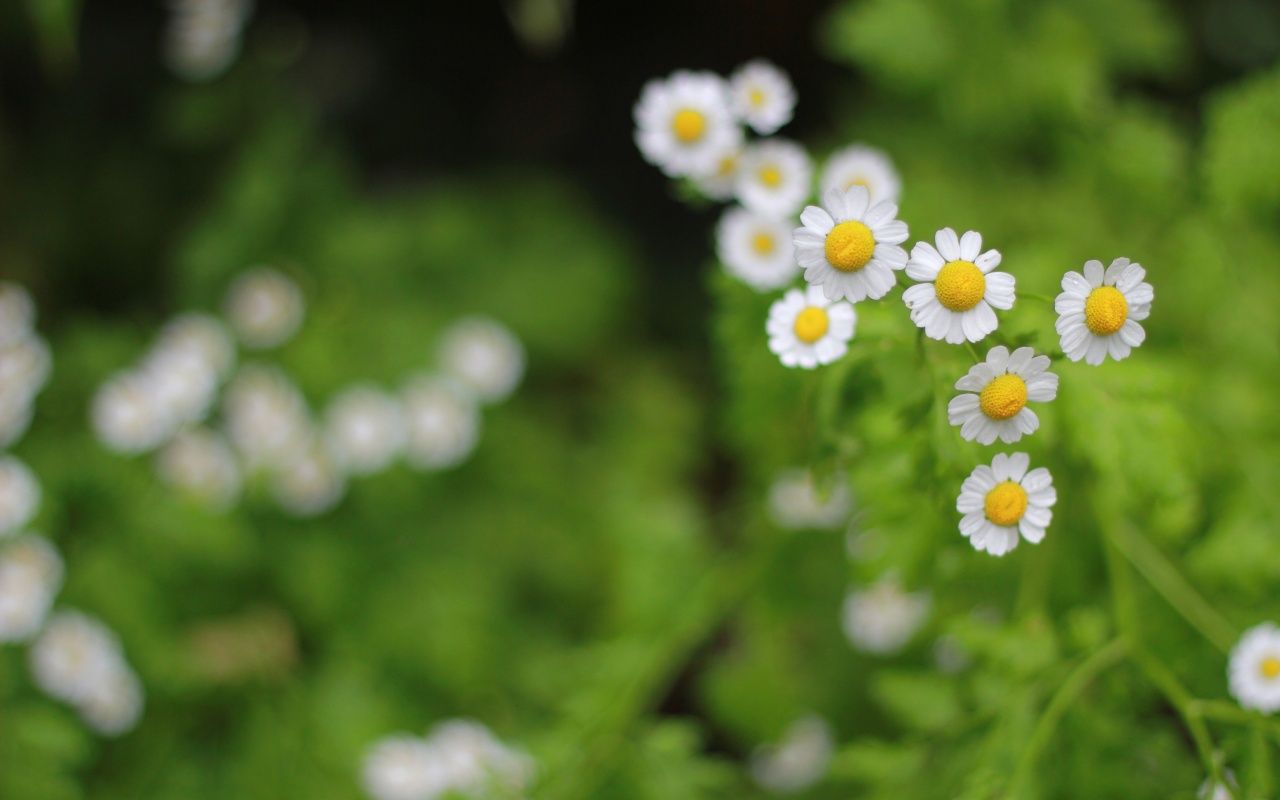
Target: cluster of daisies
{"x":73,"y":656}
{"x":203,"y":37}
{"x":849,"y":249}
{"x":214,"y":426}
{"x":458,"y":758}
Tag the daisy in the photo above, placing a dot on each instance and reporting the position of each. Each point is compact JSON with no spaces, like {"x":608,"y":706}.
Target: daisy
{"x":756,"y":248}
{"x":998,"y":391}
{"x":198,"y":337}
{"x":127,"y":415}
{"x":73,"y":656}
{"x":721,"y":184}
{"x":956,"y":303}
{"x":309,"y":483}
{"x":795,"y":501}
{"x":762,"y":96}
{"x":775,"y":177}
{"x":265,"y":416}
{"x":860,"y":165}
{"x":883,"y":618}
{"x":364,"y":429}
{"x":484,"y":357}
{"x":684,"y":124}
{"x":201,"y":465}
{"x":477,"y":761}
{"x":1002,"y":500}
{"x":806,"y":329}
{"x":114,"y":703}
{"x":19,"y":495}
{"x":17,"y":313}
{"x":443,"y":423}
{"x":404,"y":767}
{"x":264,"y":307}
{"x":1099,"y":312}
{"x":30,"y":576}
{"x":849,"y":247}
{"x":1253,"y":669}
{"x":798,"y":760}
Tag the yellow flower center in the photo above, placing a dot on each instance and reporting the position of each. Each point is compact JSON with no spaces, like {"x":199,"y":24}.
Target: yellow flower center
{"x":960,"y":285}
{"x":689,"y":125}
{"x":1105,"y":311}
{"x":1270,"y":667}
{"x":756,"y":97}
{"x":762,"y":244}
{"x":1004,"y":397}
{"x":849,"y":246}
{"x":1006,"y":503}
{"x":811,"y":324}
{"x":728,"y":165}
{"x":771,"y":177}
{"x":855,"y":182}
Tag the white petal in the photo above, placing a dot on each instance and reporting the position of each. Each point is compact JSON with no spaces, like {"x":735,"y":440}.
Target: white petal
{"x":948,"y":244}
{"x":1093,"y":273}
{"x":970,"y":245}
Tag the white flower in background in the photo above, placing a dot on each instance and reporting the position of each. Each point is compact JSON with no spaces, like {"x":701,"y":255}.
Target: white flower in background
{"x":25,"y":363}
{"x":127,"y":415}
{"x":1253,"y":669}
{"x":849,"y":247}
{"x":16,"y":413}
{"x":798,"y":760}
{"x":722,"y":183}
{"x":860,"y":165}
{"x":266,"y":418}
{"x":364,"y":429}
{"x":684,"y":124}
{"x":956,"y":301}
{"x":796,"y":502}
{"x":756,"y":248}
{"x":198,"y":337}
{"x":183,"y":389}
{"x":1001,"y":387}
{"x":806,"y":329}
{"x":264,"y":307}
{"x":74,"y":656}
{"x":114,"y":704}
{"x":19,"y":495}
{"x":1099,"y":311}
{"x":203,"y":36}
{"x":1002,"y":500}
{"x":477,"y":761}
{"x":17,"y":313}
{"x":883,"y":618}
{"x":202,"y":466}
{"x":775,"y":177}
{"x":308,"y":483}
{"x":762,"y":96}
{"x":483,"y":356}
{"x":404,"y":767}
{"x":443,"y":424}
{"x":30,"y":577}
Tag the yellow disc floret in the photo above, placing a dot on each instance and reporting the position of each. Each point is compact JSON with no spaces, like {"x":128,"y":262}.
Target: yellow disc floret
{"x":1004,"y":397}
{"x":756,"y":97}
{"x":849,"y":246}
{"x":771,"y":177}
{"x":689,"y":125}
{"x":1270,"y":667}
{"x":1105,"y":311}
{"x":1006,"y":503}
{"x":811,"y":324}
{"x":762,"y":244}
{"x":960,"y":285}
{"x":855,"y":182}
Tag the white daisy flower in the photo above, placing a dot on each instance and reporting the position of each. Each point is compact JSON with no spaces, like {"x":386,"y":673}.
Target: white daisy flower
{"x":25,"y":364}
{"x":756,"y":248}
{"x":17,"y":313}
{"x":1002,"y":500}
{"x":684,"y":124}
{"x":722,"y":183}
{"x":201,"y":464}
{"x":264,"y":307}
{"x":19,"y":495}
{"x":763,"y":96}
{"x":798,"y":760}
{"x":265,"y":416}
{"x":30,"y":577}
{"x":114,"y":703}
{"x":74,"y":656}
{"x":201,"y":338}
{"x":182,"y":387}
{"x":127,"y":415}
{"x":203,"y":36}
{"x":443,"y":423}
{"x":1099,"y":311}
{"x":806,"y":329}
{"x":477,"y":761}
{"x":884,"y":618}
{"x":860,"y":165}
{"x":364,"y":429}
{"x":850,"y":248}
{"x":956,"y":303}
{"x":1000,"y":388}
{"x":484,"y":357}
{"x":308,"y":483}
{"x":775,"y":177}
{"x":16,"y":413}
{"x":1253,"y":669}
{"x":795,"y":502}
{"x":404,"y":767}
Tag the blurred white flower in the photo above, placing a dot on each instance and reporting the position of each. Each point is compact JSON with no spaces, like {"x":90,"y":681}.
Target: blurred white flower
{"x":182,"y":388}
{"x":202,"y":466}
{"x":364,"y":429}
{"x":720,"y":184}
{"x":684,"y":124}
{"x":127,"y":415}
{"x":265,"y":416}
{"x":308,"y":483}
{"x":775,"y":178}
{"x":762,"y":96}
{"x":25,"y":364}
{"x":1253,"y":669}
{"x":19,"y":495}
{"x":114,"y":703}
{"x":30,"y":577}
{"x":795,"y":502}
{"x":443,"y":424}
{"x":199,"y":337}
{"x":404,"y":767}
{"x":264,"y":307}
{"x":483,"y":356}
{"x":883,"y":618}
{"x":203,"y":36}
{"x":15,"y":417}
{"x":74,"y":656}
{"x":798,"y":760}
{"x":756,"y":249}
{"x":860,"y":165}
{"x":1209,"y":790}
{"x":17,"y":313}
{"x":459,"y":756}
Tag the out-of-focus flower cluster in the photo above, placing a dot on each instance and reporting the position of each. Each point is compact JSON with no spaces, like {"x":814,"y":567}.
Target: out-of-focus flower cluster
{"x":265,"y":429}
{"x":458,"y":757}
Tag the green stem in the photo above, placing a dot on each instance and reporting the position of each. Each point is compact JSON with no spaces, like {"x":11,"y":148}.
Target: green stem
{"x":973,"y":351}
{"x":1180,"y":699}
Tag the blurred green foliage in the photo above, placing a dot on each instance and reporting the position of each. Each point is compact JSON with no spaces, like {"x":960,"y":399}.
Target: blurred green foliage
{"x":578,"y":572}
